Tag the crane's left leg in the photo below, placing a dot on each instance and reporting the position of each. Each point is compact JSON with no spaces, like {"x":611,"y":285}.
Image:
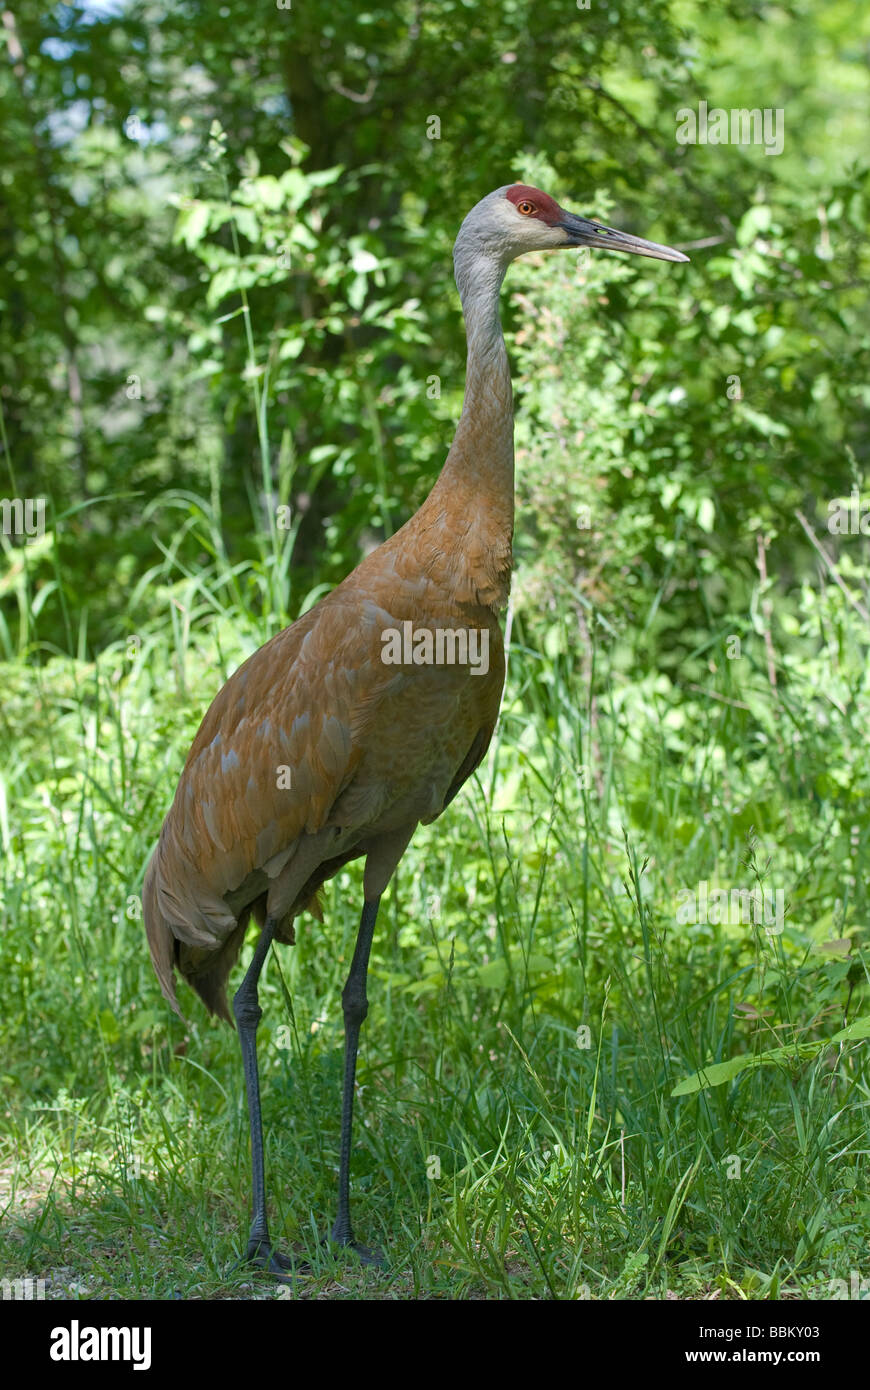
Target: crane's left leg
{"x":355,"y":1006}
{"x":246,"y":1007}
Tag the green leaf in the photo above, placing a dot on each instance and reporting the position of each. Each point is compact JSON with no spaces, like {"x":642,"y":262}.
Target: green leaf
{"x":363,"y":262}
{"x":494,"y":974}
{"x":706,"y":514}
{"x":756,"y":220}
{"x":109,"y":1026}
{"x":269,"y":191}
{"x":192,"y":224}
{"x":857,"y":1030}
{"x":720,"y":1072}
{"x":247,"y":223}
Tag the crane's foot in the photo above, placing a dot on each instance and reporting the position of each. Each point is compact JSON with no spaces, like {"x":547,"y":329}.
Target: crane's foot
{"x":367,"y":1255}
{"x":285,"y":1268}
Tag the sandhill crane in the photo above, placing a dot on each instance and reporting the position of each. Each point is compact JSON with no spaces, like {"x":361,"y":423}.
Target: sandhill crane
{"x":365,"y":716}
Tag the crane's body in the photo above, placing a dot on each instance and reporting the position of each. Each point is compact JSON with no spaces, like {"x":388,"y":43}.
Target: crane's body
{"x":271,"y":798}
{"x":320,"y":749}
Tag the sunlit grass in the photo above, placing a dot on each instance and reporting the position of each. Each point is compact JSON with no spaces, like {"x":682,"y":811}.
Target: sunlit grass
{"x":533,"y":1001}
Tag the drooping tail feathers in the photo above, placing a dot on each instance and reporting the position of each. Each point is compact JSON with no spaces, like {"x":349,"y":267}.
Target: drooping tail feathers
{"x":207,"y":971}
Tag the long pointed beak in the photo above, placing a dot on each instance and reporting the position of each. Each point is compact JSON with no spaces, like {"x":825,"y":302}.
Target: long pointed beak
{"x":585,"y":233}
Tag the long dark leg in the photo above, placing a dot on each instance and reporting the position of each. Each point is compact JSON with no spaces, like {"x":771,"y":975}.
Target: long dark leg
{"x":355,"y":1006}
{"x":247,"y":1011}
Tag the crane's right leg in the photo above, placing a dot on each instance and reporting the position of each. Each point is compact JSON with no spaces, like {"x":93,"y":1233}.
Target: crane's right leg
{"x":355,"y":1006}
{"x":247,"y":1011}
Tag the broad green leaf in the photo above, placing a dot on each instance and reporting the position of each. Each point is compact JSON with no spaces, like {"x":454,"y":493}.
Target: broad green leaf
{"x":192,"y":224}
{"x":720,"y":1072}
{"x":363,"y":262}
{"x":270,"y":192}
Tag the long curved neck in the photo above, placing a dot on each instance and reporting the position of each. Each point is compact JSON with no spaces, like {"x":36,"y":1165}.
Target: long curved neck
{"x":480,"y":463}
{"x":464,"y":529}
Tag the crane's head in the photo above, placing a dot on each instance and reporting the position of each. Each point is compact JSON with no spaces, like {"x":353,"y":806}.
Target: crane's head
{"x":519,"y":218}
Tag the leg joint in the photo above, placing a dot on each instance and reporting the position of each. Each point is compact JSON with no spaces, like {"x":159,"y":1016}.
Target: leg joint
{"x":246,"y":1008}
{"x":354,"y":1003}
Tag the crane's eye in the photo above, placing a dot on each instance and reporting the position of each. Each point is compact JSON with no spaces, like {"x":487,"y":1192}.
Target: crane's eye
{"x":526,"y":208}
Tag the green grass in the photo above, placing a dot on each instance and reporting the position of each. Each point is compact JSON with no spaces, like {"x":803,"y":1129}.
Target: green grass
{"x":500,"y":1150}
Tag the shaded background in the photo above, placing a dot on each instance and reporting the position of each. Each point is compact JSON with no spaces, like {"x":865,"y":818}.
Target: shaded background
{"x":124,"y":245}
